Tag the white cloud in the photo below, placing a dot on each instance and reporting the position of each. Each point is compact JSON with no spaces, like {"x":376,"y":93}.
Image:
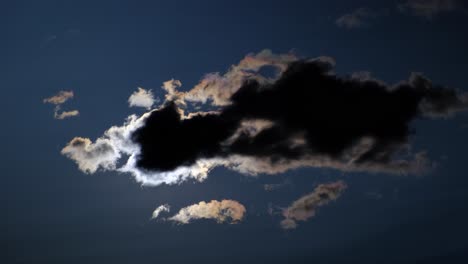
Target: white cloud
{"x":142,"y":98}
{"x":91,"y":156}
{"x":159,"y":210}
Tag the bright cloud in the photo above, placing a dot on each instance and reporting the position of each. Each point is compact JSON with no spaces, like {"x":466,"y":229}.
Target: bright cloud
{"x":142,"y":98}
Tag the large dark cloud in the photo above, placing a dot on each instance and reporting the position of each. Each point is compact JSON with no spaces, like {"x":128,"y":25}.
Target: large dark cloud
{"x":304,"y":116}
{"x":310,"y":112}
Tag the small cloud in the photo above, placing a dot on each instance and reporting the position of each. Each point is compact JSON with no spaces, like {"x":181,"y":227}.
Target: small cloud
{"x":64,"y":114}
{"x":429,"y":8}
{"x":306,"y":206}
{"x":60,"y":98}
{"x":90,"y":156}
{"x":226,"y":210}
{"x":159,"y":210}
{"x":356,"y":19}
{"x":170,"y":87}
{"x":142,"y":98}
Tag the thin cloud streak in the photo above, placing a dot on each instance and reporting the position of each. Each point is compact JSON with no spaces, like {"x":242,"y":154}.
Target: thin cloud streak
{"x":356,"y":19}
{"x":429,"y":8}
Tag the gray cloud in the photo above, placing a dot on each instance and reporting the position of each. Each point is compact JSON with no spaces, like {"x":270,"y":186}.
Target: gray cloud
{"x":356,"y":19}
{"x":306,"y":206}
{"x":429,"y":8}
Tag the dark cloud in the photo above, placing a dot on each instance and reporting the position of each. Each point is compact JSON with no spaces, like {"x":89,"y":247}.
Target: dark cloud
{"x":314,"y":117}
{"x":304,"y":116}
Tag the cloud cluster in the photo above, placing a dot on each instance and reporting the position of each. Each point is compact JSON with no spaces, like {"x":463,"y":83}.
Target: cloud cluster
{"x":222,"y":211}
{"x":59,"y":99}
{"x":306,"y":206}
{"x":142,"y":98}
{"x":305,"y":116}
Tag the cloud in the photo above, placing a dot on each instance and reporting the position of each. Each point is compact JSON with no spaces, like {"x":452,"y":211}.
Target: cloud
{"x":159,"y":210}
{"x":306,"y":206}
{"x":305,"y":116}
{"x":356,"y":19}
{"x":64,"y":114}
{"x":429,"y":8}
{"x":90,"y":156}
{"x":60,"y":98}
{"x":142,"y":98}
{"x":218,"y":89}
{"x":224,"y":211}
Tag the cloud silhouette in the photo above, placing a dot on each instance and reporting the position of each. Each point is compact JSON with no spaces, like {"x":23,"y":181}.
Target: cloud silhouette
{"x":304,"y":116}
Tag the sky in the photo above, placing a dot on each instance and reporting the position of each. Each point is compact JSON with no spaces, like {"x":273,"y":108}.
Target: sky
{"x":234,"y":131}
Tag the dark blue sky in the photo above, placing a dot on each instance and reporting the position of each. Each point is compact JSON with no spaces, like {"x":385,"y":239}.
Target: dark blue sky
{"x":104,"y":50}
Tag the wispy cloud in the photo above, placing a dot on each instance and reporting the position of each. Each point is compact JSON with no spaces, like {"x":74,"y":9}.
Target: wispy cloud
{"x":65,"y":114}
{"x":357,"y":19}
{"x":306,"y":206}
{"x":160,"y":209}
{"x":429,"y":8}
{"x":59,"y":99}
